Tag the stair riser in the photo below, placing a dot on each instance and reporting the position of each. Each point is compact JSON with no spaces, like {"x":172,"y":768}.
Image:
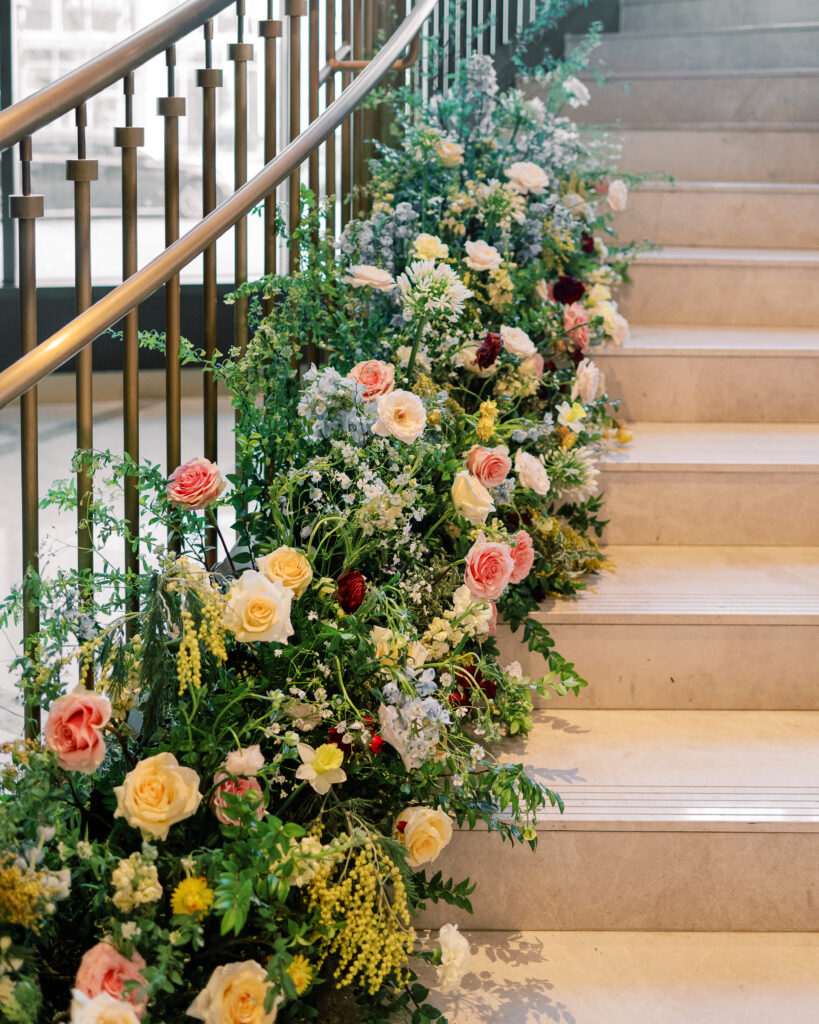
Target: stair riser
{"x":712,"y":508}
{"x":632,"y":880}
{"x":715,"y":389}
{"x":729,"y":155}
{"x":770,"y":48}
{"x":681,"y":667}
{"x":722,"y":217}
{"x":691,"y":15}
{"x":666,"y":291}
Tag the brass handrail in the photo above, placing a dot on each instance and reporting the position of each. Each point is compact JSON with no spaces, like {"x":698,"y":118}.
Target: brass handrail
{"x":27,"y":115}
{"x":69,"y":340}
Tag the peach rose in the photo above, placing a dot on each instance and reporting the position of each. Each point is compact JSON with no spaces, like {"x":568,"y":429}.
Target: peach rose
{"x":490,"y":465}
{"x":364,"y":275}
{"x":576,"y":325}
{"x":523,"y":555}
{"x":102,"y":1009}
{"x":158,"y":793}
{"x":258,"y":608}
{"x":235,"y":994}
{"x":423,"y":832}
{"x":73,"y":730}
{"x":289,"y":567}
{"x":489,"y":567}
{"x":195,"y":485}
{"x":377,"y":377}
{"x":237,"y":787}
{"x":103,"y":969}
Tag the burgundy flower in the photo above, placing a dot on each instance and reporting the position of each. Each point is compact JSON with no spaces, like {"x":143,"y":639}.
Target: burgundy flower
{"x":337,"y":739}
{"x":352,"y":589}
{"x":489,"y":350}
{"x":587,"y":243}
{"x":472,"y":678}
{"x":569,"y":290}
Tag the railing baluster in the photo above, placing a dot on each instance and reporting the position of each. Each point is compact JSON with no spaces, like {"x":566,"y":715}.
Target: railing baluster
{"x":209,"y":79}
{"x":358,"y":116}
{"x":171,"y":108}
{"x":295,"y":10}
{"x":26,"y":208}
{"x":128,"y":138}
{"x":313,"y":91}
{"x":270,"y":30}
{"x":82,"y":172}
{"x":240,"y":53}
{"x":347,"y":126}
{"x":329,"y":96}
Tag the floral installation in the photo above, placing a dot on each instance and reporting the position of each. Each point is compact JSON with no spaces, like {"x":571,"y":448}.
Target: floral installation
{"x":237,"y":803}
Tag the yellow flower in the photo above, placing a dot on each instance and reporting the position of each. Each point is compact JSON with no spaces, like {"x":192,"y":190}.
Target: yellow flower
{"x":430,"y":247}
{"x":288,"y":566}
{"x":328,"y":758}
{"x":192,"y":896}
{"x":486,"y":420}
{"x":301,"y":973}
{"x":321,"y":767}
{"x":156,"y":794}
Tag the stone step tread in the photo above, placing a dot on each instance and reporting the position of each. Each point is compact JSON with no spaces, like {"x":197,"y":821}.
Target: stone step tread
{"x":746,"y":342}
{"x":767,"y":188}
{"x":712,"y":256}
{"x":656,"y":584}
{"x":672,"y":74}
{"x":638,"y":977}
{"x":633,"y":35}
{"x":671,"y":770}
{"x":721,"y":447}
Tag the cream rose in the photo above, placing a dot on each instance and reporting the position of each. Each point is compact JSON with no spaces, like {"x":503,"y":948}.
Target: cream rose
{"x":451,"y":154}
{"x":364,"y":275}
{"x":401,"y":414}
{"x":158,"y":793}
{"x":527,"y":177}
{"x":617,"y":195}
{"x":235,"y":994}
{"x":429,"y":247}
{"x":258,"y":608}
{"x":289,"y":567}
{"x":455,"y":957}
{"x":472,"y":500}
{"x":517,"y":342}
{"x":482,"y":256}
{"x":102,"y":1009}
{"x":531,"y":472}
{"x":423,"y":832}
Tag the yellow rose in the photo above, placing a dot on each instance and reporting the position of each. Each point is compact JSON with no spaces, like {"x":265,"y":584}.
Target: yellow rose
{"x":102,"y":1009}
{"x":156,"y":794}
{"x":472,"y":500}
{"x":430,"y":247}
{"x":235,"y":994}
{"x":258,"y":608}
{"x":451,"y":154}
{"x":598,"y":293}
{"x":423,"y":832}
{"x":289,"y":567}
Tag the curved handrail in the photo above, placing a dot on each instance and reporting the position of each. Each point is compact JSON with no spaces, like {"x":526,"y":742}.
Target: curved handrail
{"x":51,"y":102}
{"x":82,"y":330}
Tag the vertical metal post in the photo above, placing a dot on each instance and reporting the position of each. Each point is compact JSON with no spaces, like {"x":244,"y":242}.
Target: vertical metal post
{"x":359,"y":119}
{"x":313,"y":91}
{"x":82,"y":172}
{"x":240,"y":53}
{"x":7,"y":156}
{"x":329,"y":97}
{"x":347,"y":126}
{"x":26,"y":208}
{"x":172,"y":107}
{"x":128,"y":139}
{"x":209,"y":79}
{"x":295,"y":9}
{"x":270,"y":30}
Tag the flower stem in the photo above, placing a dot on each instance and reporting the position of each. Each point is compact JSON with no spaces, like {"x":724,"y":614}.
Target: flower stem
{"x":214,"y":521}
{"x":419,"y":330}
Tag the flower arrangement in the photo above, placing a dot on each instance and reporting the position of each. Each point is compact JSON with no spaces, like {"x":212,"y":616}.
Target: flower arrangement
{"x":237,"y":806}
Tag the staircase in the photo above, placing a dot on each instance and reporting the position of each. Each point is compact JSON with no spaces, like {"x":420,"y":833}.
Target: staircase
{"x":682,"y":883}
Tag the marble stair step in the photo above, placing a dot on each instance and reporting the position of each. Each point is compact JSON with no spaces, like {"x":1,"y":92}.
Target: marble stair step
{"x":531,"y":977}
{"x":714,"y":484}
{"x":706,"y":374}
{"x":743,"y":46}
{"x":688,"y":628}
{"x":674,"y":821}
{"x":724,"y":287}
{"x":734,"y":215}
{"x":669,"y":15}
{"x":773,"y":152}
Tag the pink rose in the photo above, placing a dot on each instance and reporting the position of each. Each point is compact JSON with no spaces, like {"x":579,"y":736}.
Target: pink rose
{"x":197,"y":484}
{"x":377,"y":377}
{"x":73,"y":730}
{"x":489,"y":567}
{"x":237,"y":787}
{"x":103,"y":969}
{"x":490,"y":465}
{"x":523,"y":555}
{"x":576,"y":325}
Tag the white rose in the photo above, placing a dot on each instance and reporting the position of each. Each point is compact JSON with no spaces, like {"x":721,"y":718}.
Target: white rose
{"x":517,"y":341}
{"x":455,"y":956}
{"x":258,"y":608}
{"x":527,"y":177}
{"x":423,"y":832}
{"x":363,"y":275}
{"x":617,"y":196}
{"x":417,"y":654}
{"x":472,"y":499}
{"x":587,"y":383}
{"x":514,"y":670}
{"x":401,"y":414}
{"x":531,"y":472}
{"x":577,"y":92}
{"x":482,"y":256}
{"x":102,"y":1009}
{"x":450,"y":153}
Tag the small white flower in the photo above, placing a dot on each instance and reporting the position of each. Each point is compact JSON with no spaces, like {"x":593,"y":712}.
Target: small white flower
{"x":455,"y":956}
{"x":571,"y":416}
{"x":246,"y":762}
{"x":617,"y":196}
{"x":517,"y":342}
{"x":577,"y":92}
{"x":587,"y":383}
{"x":531,"y":472}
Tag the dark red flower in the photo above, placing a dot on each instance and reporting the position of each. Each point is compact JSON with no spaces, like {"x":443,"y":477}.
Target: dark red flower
{"x":550,"y":367}
{"x":569,"y":290}
{"x":587,"y":243}
{"x":488,"y":351}
{"x":352,"y":589}
{"x":376,"y":743}
{"x":337,"y":739}
{"x":472,"y":678}
{"x":400,"y":826}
